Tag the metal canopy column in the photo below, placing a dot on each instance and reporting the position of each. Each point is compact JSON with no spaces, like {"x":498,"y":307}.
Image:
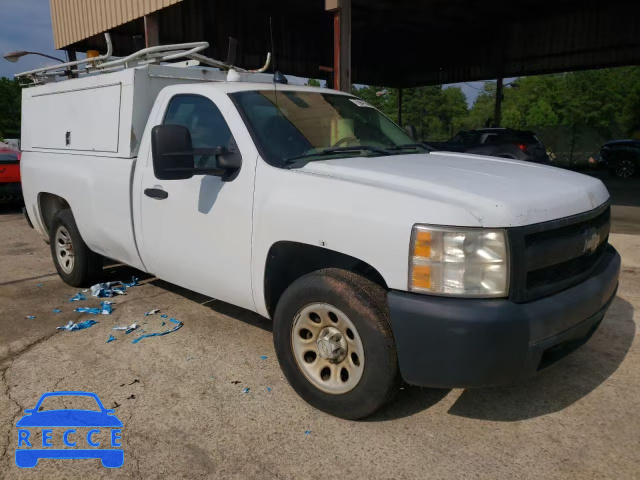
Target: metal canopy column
{"x":341,"y":43}
{"x":400,"y":107}
{"x":497,"y":114}
{"x":151,"y":30}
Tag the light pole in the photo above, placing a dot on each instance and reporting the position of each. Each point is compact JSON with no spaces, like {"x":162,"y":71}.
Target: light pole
{"x":13,"y":57}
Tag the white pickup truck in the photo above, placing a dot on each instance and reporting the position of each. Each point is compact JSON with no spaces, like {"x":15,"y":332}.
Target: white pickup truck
{"x":378,"y":259}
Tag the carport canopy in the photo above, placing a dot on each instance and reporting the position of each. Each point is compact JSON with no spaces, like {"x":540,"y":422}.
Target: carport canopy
{"x":395,"y":43}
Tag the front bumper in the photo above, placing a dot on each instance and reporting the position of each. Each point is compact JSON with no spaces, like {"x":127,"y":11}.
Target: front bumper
{"x":455,"y":342}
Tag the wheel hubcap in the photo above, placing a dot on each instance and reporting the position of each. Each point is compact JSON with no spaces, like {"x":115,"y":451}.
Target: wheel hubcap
{"x":331,"y":345}
{"x":625,"y":168}
{"x":327,"y":348}
{"x":64,"y":250}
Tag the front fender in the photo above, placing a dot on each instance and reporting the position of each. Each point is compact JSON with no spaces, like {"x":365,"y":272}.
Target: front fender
{"x":366,"y":222}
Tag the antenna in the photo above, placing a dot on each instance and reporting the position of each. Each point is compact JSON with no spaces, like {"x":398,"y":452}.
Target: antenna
{"x":231,"y":55}
{"x":273,"y":50}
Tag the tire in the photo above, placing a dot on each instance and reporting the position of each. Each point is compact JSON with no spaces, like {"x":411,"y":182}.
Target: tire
{"x":337,"y":300}
{"x":79,"y":266}
{"x":625,"y":167}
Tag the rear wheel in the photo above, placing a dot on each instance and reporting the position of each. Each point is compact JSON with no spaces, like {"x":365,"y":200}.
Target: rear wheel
{"x":625,"y":168}
{"x":334,"y":343}
{"x":76,"y":264}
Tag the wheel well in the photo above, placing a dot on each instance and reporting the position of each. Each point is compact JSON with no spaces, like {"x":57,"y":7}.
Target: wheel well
{"x":288,"y":261}
{"x":50,"y":205}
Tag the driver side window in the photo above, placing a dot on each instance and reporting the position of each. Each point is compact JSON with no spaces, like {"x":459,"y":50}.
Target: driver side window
{"x":207,"y":126}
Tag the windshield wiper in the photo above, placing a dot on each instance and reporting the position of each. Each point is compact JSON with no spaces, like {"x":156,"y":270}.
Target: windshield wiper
{"x":334,"y":150}
{"x":408,"y":146}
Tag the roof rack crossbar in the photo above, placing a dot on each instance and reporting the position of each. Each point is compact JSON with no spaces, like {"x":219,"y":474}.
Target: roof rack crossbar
{"x":157,"y":54}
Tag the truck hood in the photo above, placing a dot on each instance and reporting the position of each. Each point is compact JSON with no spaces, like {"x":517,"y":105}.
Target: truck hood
{"x":498,"y":192}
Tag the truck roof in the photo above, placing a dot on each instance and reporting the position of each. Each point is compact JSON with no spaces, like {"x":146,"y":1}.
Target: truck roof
{"x":231,"y":87}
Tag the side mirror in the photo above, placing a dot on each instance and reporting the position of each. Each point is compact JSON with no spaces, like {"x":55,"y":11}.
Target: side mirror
{"x":173,"y":155}
{"x":171,"y":150}
{"x":411,"y":131}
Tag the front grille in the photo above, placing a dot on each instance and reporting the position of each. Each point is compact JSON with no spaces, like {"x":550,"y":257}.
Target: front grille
{"x":563,"y":271}
{"x":552,"y":256}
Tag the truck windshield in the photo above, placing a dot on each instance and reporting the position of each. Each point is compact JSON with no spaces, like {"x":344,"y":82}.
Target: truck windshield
{"x":287,"y":125}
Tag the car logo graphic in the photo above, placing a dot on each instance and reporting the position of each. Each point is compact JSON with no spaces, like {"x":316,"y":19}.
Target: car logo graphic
{"x":592,"y":241}
{"x":69,"y":419}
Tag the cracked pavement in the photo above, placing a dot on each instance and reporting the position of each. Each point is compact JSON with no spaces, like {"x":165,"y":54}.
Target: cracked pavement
{"x":185,"y":416}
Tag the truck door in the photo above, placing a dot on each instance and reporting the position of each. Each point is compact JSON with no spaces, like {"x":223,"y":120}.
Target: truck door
{"x":196,"y":233}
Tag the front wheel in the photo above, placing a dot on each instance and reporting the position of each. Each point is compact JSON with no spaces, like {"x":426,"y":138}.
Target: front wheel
{"x":334,"y":343}
{"x":76,"y":264}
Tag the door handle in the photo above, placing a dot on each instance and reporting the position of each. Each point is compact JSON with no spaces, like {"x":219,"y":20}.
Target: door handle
{"x":156,"y":193}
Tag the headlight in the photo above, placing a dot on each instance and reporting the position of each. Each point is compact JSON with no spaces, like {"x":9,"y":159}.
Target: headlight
{"x":457,"y":261}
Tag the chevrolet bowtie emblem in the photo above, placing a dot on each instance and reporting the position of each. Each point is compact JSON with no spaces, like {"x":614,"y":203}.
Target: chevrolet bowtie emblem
{"x":591,"y":242}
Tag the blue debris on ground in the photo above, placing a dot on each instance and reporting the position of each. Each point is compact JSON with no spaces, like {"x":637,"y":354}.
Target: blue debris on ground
{"x":307,"y":432}
{"x":127,"y":328}
{"x":111,"y":339}
{"x":70,"y":327}
{"x":40,"y":285}
{"x":109,"y":289}
{"x":132,"y":328}
{"x":105,"y":309}
{"x":263,"y":357}
{"x":164,"y":316}
{"x":31,"y":317}
{"x":269,"y":389}
{"x":56,"y":310}
{"x":160,"y":334}
{"x":78,"y":296}
{"x":245,"y":390}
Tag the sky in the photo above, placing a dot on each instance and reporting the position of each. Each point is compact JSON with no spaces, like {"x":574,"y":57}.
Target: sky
{"x":26,"y":25}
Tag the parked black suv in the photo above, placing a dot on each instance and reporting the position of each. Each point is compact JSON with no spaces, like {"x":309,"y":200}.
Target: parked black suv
{"x":497,"y":142}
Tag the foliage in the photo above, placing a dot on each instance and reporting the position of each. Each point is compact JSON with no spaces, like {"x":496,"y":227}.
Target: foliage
{"x":606,"y":100}
{"x":436,"y":112}
{"x":10,"y":99}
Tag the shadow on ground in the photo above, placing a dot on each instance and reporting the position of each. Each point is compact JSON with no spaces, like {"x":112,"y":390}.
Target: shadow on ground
{"x":10,"y":208}
{"x":409,"y":401}
{"x":218,"y":306}
{"x":561,"y":385}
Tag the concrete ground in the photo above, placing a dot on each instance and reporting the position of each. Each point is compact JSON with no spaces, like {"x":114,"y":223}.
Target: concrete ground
{"x":185,"y":415}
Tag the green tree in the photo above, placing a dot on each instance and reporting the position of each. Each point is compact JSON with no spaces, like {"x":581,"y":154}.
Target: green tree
{"x":541,"y":114}
{"x":10,"y":100}
{"x":453,"y":110}
{"x":482,"y":112}
{"x":434,"y":111}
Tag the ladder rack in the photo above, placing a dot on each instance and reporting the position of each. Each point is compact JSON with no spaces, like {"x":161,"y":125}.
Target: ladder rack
{"x":151,"y":55}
